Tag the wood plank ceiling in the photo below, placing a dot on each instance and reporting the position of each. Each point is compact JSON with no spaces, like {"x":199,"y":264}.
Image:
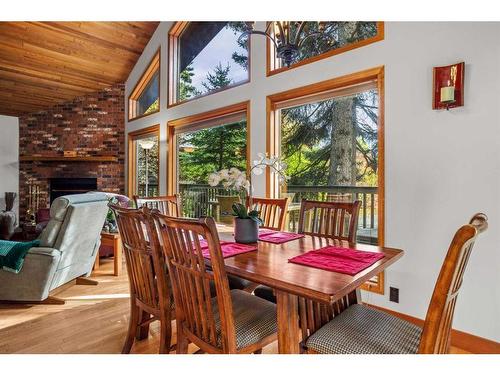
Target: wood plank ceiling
{"x":45,"y":63}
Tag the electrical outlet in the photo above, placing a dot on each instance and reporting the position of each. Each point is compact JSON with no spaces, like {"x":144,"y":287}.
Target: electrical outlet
{"x":394,"y":294}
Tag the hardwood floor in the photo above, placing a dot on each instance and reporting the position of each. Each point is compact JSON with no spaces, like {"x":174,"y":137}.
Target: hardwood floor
{"x":93,"y":320}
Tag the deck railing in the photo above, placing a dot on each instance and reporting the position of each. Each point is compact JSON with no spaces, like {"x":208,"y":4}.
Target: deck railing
{"x":201,"y":200}
{"x":152,"y":190}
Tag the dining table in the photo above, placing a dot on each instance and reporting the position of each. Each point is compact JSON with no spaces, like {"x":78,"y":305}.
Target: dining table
{"x":269,"y":265}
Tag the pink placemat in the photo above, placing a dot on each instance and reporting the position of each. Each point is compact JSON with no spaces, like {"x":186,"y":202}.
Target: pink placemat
{"x":338,"y":259}
{"x":229,"y":249}
{"x":277,"y":237}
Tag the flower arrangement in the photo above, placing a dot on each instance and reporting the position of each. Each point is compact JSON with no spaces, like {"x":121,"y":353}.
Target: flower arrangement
{"x":235,"y":179}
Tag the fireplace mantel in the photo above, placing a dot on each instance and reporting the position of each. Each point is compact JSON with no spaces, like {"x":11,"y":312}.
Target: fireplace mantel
{"x":70,"y":158}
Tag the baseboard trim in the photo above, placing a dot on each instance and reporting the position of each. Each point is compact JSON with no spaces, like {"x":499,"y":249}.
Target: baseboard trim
{"x":462,"y":340}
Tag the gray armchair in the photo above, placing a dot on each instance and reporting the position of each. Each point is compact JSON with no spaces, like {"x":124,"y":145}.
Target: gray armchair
{"x":68,"y":247}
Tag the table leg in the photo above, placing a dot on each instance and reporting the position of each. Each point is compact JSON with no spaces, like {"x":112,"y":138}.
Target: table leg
{"x":117,"y":247}
{"x":288,"y":323}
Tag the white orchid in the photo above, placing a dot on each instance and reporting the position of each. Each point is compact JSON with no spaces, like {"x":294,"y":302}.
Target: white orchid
{"x":235,"y":179}
{"x":230,"y":178}
{"x":214,"y":179}
{"x":275,"y":163}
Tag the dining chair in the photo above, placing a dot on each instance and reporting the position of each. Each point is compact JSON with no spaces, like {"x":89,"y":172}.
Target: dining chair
{"x":334,"y":220}
{"x":167,"y":204}
{"x":363,"y":330}
{"x":231,"y":322}
{"x":271,"y":211}
{"x":150,"y":293}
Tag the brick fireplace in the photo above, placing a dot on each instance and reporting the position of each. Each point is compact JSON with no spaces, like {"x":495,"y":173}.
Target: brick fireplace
{"x":91,"y":128}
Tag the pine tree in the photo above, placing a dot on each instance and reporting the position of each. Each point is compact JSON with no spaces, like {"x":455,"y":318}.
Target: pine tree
{"x":218,"y":79}
{"x":214,"y":148}
{"x":330,"y":135}
{"x":186,"y":88}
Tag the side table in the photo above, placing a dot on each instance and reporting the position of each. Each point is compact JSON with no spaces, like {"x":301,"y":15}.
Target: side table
{"x":113,"y":240}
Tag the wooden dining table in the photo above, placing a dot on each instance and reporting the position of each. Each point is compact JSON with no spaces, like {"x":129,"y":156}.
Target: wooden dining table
{"x":269,"y":266}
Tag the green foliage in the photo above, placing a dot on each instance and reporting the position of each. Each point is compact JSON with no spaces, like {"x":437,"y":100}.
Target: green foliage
{"x":209,"y":150}
{"x":307,"y":140}
{"x":334,"y":35}
{"x":153,"y":107}
{"x":219,"y":79}
{"x":238,"y":58}
{"x":186,"y":88}
{"x":240,"y":211}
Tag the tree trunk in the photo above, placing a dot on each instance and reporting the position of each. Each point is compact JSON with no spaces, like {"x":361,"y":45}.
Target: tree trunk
{"x":343,"y":150}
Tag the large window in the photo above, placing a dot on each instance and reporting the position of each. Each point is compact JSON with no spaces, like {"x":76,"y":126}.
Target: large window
{"x":143,"y":171}
{"x":201,"y":145}
{"x":335,"y":37}
{"x":145,"y":98}
{"x":205,"y":57}
{"x":331,"y":137}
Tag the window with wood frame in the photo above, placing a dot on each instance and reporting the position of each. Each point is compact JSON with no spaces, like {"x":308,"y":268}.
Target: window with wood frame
{"x":203,"y":144}
{"x":330,"y":135}
{"x":334,"y":37}
{"x":145,"y":98}
{"x":144,"y":162}
{"x":206,"y":57}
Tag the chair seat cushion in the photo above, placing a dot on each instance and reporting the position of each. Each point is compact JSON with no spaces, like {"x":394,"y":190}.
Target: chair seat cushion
{"x":254,"y":318}
{"x":363,"y":330}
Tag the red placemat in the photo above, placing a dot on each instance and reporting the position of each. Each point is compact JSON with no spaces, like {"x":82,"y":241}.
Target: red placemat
{"x":338,"y":259}
{"x":277,"y":237}
{"x":229,"y":249}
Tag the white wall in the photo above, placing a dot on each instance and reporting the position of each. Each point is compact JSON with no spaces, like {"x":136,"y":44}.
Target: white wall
{"x":9,"y":158}
{"x":441,"y":166}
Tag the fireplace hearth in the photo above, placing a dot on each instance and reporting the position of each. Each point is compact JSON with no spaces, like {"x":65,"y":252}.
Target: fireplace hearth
{"x":68,"y":186}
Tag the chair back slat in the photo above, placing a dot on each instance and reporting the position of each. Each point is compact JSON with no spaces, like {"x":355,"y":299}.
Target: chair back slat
{"x":167,"y":204}
{"x":314,"y":315}
{"x":338,"y":220}
{"x":196,"y":310}
{"x":149,"y":282}
{"x":271,"y":211}
{"x":435,"y":337}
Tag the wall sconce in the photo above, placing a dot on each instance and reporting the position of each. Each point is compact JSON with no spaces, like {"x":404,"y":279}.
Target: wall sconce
{"x":448,"y":86}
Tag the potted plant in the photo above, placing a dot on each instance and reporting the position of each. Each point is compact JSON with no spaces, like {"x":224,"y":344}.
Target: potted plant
{"x":246,"y":224}
{"x":247,"y":221}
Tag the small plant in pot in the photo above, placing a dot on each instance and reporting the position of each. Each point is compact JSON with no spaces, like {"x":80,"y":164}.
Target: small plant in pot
{"x":246,"y":224}
{"x":247,"y":221}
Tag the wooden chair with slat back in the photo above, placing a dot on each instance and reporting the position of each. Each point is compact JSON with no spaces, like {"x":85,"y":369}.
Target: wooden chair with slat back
{"x":150,"y":294}
{"x":231,"y":322}
{"x":336,"y":220}
{"x":271,"y":211}
{"x":363,"y":330}
{"x":167,"y":204}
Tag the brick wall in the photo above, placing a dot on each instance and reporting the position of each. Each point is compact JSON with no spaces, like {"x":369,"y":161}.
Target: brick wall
{"x":92,"y":125}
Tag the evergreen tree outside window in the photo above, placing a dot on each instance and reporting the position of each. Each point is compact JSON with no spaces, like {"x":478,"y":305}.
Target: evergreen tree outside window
{"x":331,"y":135}
{"x":335,"y":37}
{"x":203,"y":144}
{"x":206,"y":57}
